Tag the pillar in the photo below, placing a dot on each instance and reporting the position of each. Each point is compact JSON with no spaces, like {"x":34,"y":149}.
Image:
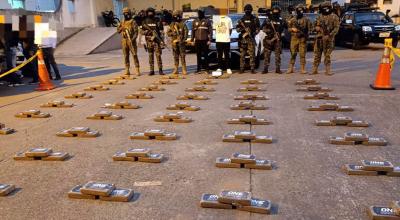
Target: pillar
{"x":268,"y":3}
{"x":239,"y":4}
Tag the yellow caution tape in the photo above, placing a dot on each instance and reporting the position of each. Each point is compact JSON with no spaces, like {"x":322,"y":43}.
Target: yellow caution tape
{"x":15,"y":69}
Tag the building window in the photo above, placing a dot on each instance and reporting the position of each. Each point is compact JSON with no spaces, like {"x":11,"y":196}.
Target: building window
{"x":71,"y":6}
{"x":17,"y":3}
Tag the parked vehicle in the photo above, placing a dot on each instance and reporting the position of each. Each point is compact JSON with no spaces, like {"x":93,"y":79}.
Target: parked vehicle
{"x":361,"y":26}
{"x":235,"y":51}
{"x":189,"y":42}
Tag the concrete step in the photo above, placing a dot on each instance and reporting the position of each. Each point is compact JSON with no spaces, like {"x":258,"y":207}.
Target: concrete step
{"x":90,"y":40}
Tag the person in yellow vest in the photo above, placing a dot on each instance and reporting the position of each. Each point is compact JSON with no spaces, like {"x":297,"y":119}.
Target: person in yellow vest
{"x":129,"y":31}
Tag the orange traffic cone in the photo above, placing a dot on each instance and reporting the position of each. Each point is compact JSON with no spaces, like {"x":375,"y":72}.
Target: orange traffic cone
{"x":382,"y":81}
{"x":44,"y":79}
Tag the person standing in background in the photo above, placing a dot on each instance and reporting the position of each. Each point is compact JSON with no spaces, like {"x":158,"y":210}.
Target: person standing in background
{"x":202,"y":35}
{"x":129,"y":32}
{"x":178,"y":32}
{"x":223,"y":30}
{"x":299,"y":28}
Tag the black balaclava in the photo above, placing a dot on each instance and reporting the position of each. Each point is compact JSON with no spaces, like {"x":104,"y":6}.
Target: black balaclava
{"x":248,"y":9}
{"x":276,"y":14}
{"x":150,"y":13}
{"x":127,"y":16}
{"x":201,"y":14}
{"x":326,"y":10}
{"x":299,"y":12}
{"x":177,"y":18}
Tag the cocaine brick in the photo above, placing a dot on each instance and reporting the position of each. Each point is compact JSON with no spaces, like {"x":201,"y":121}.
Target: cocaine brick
{"x":75,"y":193}
{"x":222,"y":162}
{"x":230,"y":138}
{"x":235,"y":197}
{"x":121,"y":156}
{"x":260,"y":164}
{"x":344,"y":109}
{"x":78,"y":130}
{"x":138,"y":152}
{"x":56,"y":156}
{"x":154,"y":132}
{"x":119,"y":195}
{"x":21,"y":156}
{"x":263,"y":139}
{"x":358,"y":124}
{"x":168,"y":136}
{"x":377,"y":165}
{"x":353,"y":136}
{"x":341,"y":120}
{"x":152,"y":158}
{"x":340,"y":141}
{"x":396,"y":173}
{"x":97,"y":188}
{"x":382,"y":213}
{"x":395,"y":205}
{"x":257,"y":206}
{"x":324,"y":123}
{"x":352,"y":169}
{"x":139,"y":136}
{"x":5,"y":131}
{"x":38,"y":152}
{"x":6,"y":189}
{"x":243,"y":158}
{"x":247,"y":135}
{"x":373,"y":141}
{"x":211,"y":201}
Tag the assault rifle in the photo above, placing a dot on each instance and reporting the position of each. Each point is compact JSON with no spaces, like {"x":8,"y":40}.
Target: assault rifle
{"x":155,"y":36}
{"x":247,"y":33}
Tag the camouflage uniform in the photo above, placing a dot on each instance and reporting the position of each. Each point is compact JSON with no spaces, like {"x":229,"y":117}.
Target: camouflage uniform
{"x":151,"y":25}
{"x":298,"y":41}
{"x":247,"y":40}
{"x":129,"y":32}
{"x":273,"y":29}
{"x":178,"y":32}
{"x":327,"y":26}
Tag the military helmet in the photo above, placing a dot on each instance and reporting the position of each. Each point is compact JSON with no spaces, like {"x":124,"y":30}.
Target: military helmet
{"x":276,"y":7}
{"x":177,"y":13}
{"x":150,"y":9}
{"x":248,"y":7}
{"x":300,"y":6}
{"x":326,"y":4}
{"x":126,"y":10}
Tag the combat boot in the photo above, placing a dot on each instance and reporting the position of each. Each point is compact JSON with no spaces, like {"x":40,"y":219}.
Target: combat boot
{"x":291,"y":69}
{"x":184,"y":70}
{"x":160,"y":71}
{"x":127,"y":72}
{"x":151,"y":72}
{"x":314,"y":70}
{"x":278,"y":70}
{"x":175,"y":71}
{"x":253,"y":71}
{"x":303,"y":69}
{"x":265,"y":71}
{"x":241,"y":71}
{"x":328,"y":70}
{"x":137,"y":71}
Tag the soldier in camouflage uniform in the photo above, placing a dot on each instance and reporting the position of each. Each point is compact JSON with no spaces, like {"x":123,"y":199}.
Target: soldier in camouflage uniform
{"x":299,"y":28}
{"x":129,"y":32}
{"x":178,"y":32}
{"x":273,"y":28}
{"x":248,"y":26}
{"x":153,"y":30}
{"x":326,"y":26}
